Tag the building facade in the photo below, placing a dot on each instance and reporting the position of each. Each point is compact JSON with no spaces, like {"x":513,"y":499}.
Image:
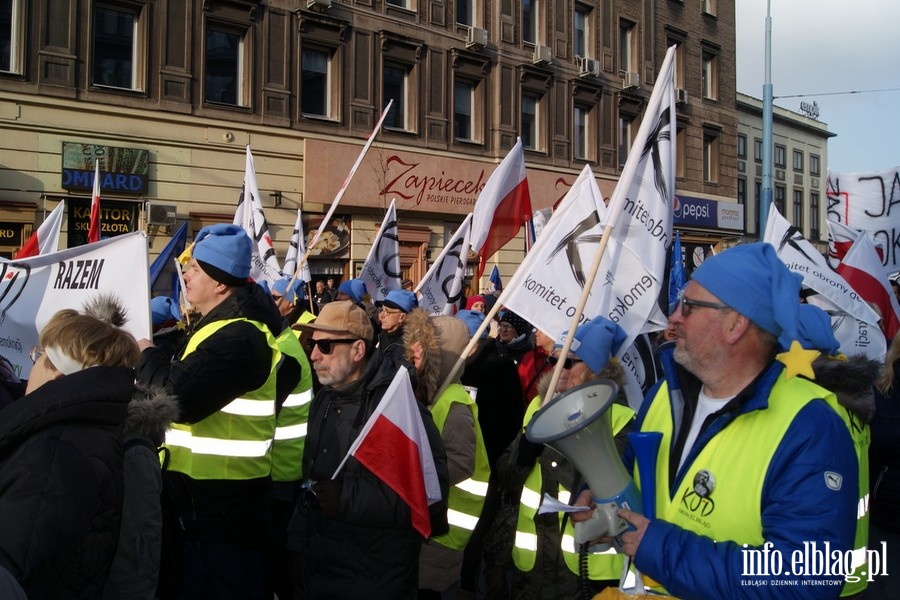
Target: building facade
{"x":799,"y":167}
{"x":167,"y":94}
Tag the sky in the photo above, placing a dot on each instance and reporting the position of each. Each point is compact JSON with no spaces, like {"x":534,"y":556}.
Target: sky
{"x":824,"y":46}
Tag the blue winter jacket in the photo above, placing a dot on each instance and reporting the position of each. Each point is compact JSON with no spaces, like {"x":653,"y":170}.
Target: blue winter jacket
{"x":794,"y":510}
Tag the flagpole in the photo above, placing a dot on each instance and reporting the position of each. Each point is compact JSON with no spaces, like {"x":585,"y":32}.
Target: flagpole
{"x":340,"y":192}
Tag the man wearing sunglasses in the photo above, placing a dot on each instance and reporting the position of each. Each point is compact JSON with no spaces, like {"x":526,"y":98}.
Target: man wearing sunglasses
{"x":777,"y":464}
{"x":353,"y":533}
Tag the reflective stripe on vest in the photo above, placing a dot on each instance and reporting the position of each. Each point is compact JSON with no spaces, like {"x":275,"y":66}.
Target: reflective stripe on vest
{"x":236,"y":441}
{"x":291,"y":423}
{"x":732,"y":510}
{"x":466,"y":498}
{"x":606,"y":565}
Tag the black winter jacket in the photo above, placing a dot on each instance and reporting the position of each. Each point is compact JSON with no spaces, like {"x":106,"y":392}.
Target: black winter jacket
{"x":61,"y":482}
{"x":884,"y":460}
{"x":370,"y":546}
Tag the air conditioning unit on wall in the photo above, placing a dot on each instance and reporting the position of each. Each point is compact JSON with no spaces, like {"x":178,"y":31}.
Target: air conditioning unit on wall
{"x":631,"y":80}
{"x":161,"y":214}
{"x":476,"y":37}
{"x":318,"y":4}
{"x":542,"y":55}
{"x":587,"y":67}
{"x":681,"y":95}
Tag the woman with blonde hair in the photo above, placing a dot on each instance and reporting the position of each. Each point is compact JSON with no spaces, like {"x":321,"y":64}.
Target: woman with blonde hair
{"x":61,"y":457}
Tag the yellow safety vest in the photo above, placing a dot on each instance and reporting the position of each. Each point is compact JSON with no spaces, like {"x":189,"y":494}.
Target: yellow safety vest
{"x":236,"y":441}
{"x":466,"y":498}
{"x":605,"y":565}
{"x":290,"y":424}
{"x":730,"y":508}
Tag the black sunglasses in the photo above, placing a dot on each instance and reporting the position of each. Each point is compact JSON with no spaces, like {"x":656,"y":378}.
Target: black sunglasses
{"x":567,"y":364}
{"x":688,"y":305}
{"x":325,"y":345}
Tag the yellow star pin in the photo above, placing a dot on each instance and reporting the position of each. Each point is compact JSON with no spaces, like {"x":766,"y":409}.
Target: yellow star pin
{"x":798,"y":361}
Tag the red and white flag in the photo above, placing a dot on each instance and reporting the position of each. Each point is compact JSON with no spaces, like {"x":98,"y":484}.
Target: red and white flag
{"x":393,"y":445}
{"x":840,"y":238}
{"x":94,"y":226}
{"x":503,"y":206}
{"x":46,"y":239}
{"x":864,"y":272}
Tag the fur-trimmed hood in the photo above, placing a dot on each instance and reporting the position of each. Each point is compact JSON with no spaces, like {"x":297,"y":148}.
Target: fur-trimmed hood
{"x":442,"y":340}
{"x":851,"y":381}
{"x":150,"y":412}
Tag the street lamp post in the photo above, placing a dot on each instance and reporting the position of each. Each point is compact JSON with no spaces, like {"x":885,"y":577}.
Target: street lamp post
{"x":765,"y":194}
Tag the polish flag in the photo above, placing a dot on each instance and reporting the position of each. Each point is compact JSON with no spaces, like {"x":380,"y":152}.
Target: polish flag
{"x":393,"y":445}
{"x":863,"y":270}
{"x":840,"y":238}
{"x":94,"y":227}
{"x":46,"y":239}
{"x":503,"y":206}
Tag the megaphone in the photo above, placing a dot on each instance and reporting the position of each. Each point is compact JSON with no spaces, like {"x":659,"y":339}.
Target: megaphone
{"x":578,"y":424}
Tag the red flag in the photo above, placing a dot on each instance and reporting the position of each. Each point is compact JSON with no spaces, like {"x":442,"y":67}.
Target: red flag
{"x":94,"y":227}
{"x":46,"y":239}
{"x":863,"y":270}
{"x":393,"y":445}
{"x":503,"y":206}
{"x":840,"y":238}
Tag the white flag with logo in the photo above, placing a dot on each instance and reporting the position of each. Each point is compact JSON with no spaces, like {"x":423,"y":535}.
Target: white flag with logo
{"x":441,"y":288}
{"x":548,"y":285}
{"x":297,"y":249}
{"x":34,"y":289}
{"x":853,"y":321}
{"x":381,"y":271}
{"x":250,"y":216}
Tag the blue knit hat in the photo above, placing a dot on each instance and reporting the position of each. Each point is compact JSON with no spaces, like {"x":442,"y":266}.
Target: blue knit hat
{"x":751,"y":279}
{"x":225,"y":248}
{"x":292,"y":293}
{"x":815,"y":330}
{"x":355,"y":288}
{"x":595,"y":342}
{"x":473,"y":320}
{"x":163,"y":308}
{"x":399,"y":299}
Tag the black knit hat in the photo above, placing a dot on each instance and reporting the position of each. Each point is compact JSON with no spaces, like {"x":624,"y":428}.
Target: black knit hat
{"x":521,"y":325}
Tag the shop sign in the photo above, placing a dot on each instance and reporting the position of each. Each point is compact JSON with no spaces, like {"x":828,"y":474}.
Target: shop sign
{"x":116,"y":218}
{"x":122,"y":170}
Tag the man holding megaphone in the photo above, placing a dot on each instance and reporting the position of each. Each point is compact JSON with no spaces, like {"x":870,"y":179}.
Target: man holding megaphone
{"x":755,"y":472}
{"x":549,"y":563}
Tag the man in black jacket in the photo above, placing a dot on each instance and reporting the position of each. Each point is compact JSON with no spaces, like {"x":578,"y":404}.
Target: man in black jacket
{"x":353,"y":534}
{"x":223,"y":377}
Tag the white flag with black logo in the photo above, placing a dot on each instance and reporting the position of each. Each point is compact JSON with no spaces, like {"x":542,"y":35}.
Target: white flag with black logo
{"x":381,"y":271}
{"x":297,"y":250}
{"x":249,"y":215}
{"x":441,"y":288}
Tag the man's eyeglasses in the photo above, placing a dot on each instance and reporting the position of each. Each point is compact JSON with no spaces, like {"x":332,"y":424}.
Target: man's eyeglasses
{"x":326,"y":345}
{"x":35,"y":353}
{"x":390,"y":311}
{"x":688,"y":305}
{"x":567,"y":364}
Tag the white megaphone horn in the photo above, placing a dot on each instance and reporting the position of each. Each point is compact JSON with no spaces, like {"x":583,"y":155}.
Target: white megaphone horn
{"x":578,"y":424}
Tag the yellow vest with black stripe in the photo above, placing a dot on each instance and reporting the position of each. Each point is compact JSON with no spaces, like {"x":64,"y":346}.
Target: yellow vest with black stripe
{"x":601,"y":565}
{"x":235,"y":442}
{"x":290,"y":424}
{"x":737,"y":460}
{"x":862,"y":439}
{"x":466,"y":498}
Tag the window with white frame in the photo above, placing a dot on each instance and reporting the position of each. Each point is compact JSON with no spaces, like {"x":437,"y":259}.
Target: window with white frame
{"x":396,"y":87}
{"x":317,"y":86}
{"x":627,"y":48}
{"x":710,"y":157}
{"x":464,"y":104}
{"x":117,"y":56}
{"x":225,"y":65}
{"x":530,"y":122}
{"x":465,"y":12}
{"x":709,"y":75}
{"x":530,"y":21}
{"x":626,"y":136}
{"x":11,"y":26}
{"x":582,"y":141}
{"x":581,"y":33}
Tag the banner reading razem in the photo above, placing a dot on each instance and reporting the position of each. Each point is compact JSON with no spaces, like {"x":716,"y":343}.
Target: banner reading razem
{"x":869,"y":201}
{"x":34,"y":289}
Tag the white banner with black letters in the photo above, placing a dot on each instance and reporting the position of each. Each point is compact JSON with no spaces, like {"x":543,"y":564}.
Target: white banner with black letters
{"x":381,"y":271}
